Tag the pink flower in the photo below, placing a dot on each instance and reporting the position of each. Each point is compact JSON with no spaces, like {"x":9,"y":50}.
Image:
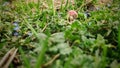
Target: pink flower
{"x":72,"y":14}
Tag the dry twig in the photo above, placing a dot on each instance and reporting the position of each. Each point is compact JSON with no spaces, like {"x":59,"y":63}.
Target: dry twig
{"x":51,"y":61}
{"x":7,"y":59}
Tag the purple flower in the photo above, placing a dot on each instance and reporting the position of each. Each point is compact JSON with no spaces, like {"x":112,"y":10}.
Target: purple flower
{"x":87,"y":14}
{"x":15,"y":33}
{"x":15,"y":23}
{"x":29,"y":33}
{"x":16,"y":28}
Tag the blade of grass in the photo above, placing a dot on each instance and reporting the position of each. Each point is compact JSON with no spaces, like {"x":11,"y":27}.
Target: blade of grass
{"x":67,"y":64}
{"x":61,"y":7}
{"x":104,"y":53}
{"x":66,"y":5}
{"x":53,"y":8}
{"x":38,"y":5}
{"x":119,"y":37}
{"x":41,"y":55}
{"x":44,"y":45}
{"x":26,"y":61}
{"x":29,"y":26}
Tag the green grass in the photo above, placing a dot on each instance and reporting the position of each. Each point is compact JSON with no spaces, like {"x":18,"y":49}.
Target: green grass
{"x":25,"y":60}
{"x":89,"y":42}
{"x":119,"y":36}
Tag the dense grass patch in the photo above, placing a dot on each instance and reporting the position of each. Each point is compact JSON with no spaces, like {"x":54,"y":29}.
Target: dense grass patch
{"x":45,"y":39}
